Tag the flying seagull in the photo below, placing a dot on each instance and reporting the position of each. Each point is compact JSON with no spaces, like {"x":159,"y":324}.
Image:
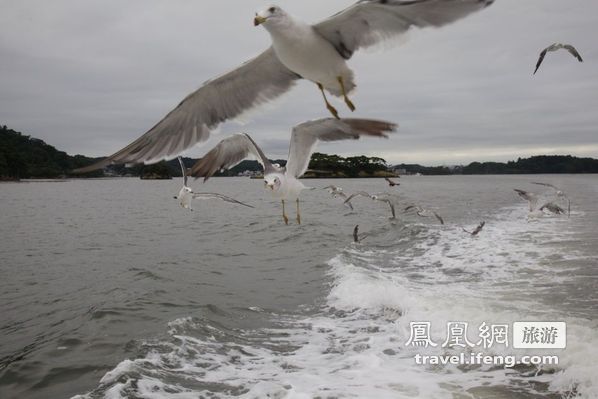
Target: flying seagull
{"x":186,"y":194}
{"x":477,"y":230}
{"x":389,"y":199}
{"x":337,"y":192}
{"x":555,"y":47}
{"x":356,"y":237}
{"x":531,"y":198}
{"x":559,"y":193}
{"x":423,"y":212}
{"x":283,"y":182}
{"x":299,"y":51}
{"x":391,"y":182}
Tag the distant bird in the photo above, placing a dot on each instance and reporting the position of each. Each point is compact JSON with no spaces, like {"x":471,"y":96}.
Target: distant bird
{"x":531,"y":198}
{"x":317,"y":53}
{"x":356,"y":237}
{"x":553,"y":208}
{"x":476,"y":231}
{"x":423,"y":212}
{"x":559,"y":193}
{"x":337,"y":192}
{"x":284,"y":182}
{"x":391,"y":182}
{"x":186,"y":194}
{"x":388,"y":198}
{"x":555,"y":47}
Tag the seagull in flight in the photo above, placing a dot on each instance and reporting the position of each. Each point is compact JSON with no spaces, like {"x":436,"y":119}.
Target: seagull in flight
{"x":423,"y":212}
{"x":318,"y":53}
{"x":284,"y":182}
{"x":554,"y":47}
{"x":391,"y":182}
{"x":337,"y":192}
{"x":356,"y":237}
{"x":186,"y":194}
{"x":390,"y":199}
{"x":559,"y":193}
{"x":530,"y":197}
{"x":477,"y":230}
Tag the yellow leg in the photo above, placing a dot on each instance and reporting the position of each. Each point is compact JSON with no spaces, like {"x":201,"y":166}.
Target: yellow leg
{"x":347,"y":101}
{"x":298,"y":213}
{"x":284,"y":214}
{"x":330,"y":108}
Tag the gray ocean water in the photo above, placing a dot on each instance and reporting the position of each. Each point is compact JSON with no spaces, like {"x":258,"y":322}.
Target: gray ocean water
{"x":109,"y":289}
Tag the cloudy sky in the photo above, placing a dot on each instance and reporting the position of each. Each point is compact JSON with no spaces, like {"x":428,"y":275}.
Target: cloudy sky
{"x":90,"y":76}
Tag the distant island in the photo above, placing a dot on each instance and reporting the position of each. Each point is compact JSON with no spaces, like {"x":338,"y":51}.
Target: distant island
{"x":25,"y":157}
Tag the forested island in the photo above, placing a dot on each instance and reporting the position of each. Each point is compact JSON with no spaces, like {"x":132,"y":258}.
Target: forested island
{"x":25,"y":157}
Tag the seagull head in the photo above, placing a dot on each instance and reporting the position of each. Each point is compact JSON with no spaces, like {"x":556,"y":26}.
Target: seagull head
{"x":269,"y":16}
{"x":272,"y":182}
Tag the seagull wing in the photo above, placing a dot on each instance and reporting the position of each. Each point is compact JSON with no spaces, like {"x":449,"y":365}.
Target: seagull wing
{"x":356,"y":234}
{"x":205,"y":196}
{"x":573,"y":52}
{"x":369,"y":22}
{"x":357,"y":194}
{"x":547,"y":185}
{"x":540,"y":59}
{"x":228,"y":153}
{"x":440,"y":219}
{"x":254,"y":83}
{"x":306,"y":135}
{"x":183,"y":170}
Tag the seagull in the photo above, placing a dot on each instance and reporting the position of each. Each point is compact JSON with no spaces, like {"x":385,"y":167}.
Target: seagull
{"x":391,"y":182}
{"x":337,"y":192}
{"x":299,"y":51}
{"x":477,"y":230}
{"x":390,"y":199}
{"x":559,"y":193}
{"x":555,"y":47}
{"x":283,"y":182}
{"x":532,"y":198}
{"x":356,"y":237}
{"x":423,"y":212}
{"x":186,"y":194}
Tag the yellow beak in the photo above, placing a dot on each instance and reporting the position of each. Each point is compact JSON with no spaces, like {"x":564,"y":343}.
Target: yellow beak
{"x":258,"y":20}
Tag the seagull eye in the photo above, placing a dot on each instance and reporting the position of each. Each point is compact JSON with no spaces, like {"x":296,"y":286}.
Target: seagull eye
{"x":272,"y":10}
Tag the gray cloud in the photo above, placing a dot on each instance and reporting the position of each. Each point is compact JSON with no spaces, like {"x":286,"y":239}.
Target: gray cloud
{"x":91,"y":76}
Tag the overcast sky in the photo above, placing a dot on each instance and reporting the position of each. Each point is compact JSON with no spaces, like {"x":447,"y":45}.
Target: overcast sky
{"x":90,"y":76}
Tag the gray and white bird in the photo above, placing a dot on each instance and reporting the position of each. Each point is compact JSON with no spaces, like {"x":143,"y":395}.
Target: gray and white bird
{"x":424,"y":212}
{"x":477,"y":230}
{"x":318,"y":53}
{"x":559,"y":193}
{"x":391,"y":182}
{"x":554,"y":47}
{"x":337,"y":192}
{"x":283,"y":182}
{"x":186,"y":194}
{"x":390,"y":199}
{"x":531,"y":198}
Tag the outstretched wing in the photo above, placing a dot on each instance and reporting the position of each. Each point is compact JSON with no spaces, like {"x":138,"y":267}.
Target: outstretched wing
{"x":205,"y":196}
{"x":540,"y":59}
{"x":573,"y":52}
{"x":369,"y":22}
{"x":357,"y":194}
{"x":228,"y":153}
{"x":183,"y":170}
{"x":546,"y":185}
{"x":306,"y":135}
{"x":440,"y":219}
{"x":254,"y":83}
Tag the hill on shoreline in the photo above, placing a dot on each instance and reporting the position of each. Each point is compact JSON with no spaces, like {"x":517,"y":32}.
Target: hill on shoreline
{"x":24,"y":157}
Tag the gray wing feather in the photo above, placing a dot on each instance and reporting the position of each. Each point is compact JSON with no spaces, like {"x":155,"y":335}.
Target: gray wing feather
{"x":252,"y":84}
{"x":306,"y":135}
{"x":369,"y":22}
{"x":183,"y":170}
{"x":220,"y":197}
{"x":228,"y":153}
